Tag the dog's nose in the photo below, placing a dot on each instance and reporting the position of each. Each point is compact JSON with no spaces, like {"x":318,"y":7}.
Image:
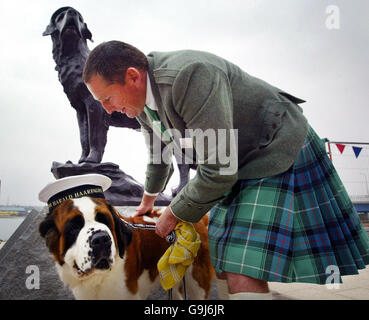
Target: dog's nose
{"x":100,"y":241}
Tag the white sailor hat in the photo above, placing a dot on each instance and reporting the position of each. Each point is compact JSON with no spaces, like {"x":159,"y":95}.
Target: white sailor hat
{"x":73,"y":187}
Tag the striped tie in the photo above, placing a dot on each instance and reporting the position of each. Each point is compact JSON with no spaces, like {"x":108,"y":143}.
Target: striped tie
{"x":157,"y":125}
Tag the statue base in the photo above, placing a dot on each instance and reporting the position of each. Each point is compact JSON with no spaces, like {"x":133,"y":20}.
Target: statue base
{"x":124,"y":191}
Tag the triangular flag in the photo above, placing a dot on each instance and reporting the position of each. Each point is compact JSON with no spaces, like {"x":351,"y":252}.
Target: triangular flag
{"x":357,"y":150}
{"x":340,"y":147}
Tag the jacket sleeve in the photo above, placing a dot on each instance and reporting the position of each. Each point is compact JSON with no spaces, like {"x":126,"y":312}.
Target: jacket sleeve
{"x":202,"y":97}
{"x":158,"y":172}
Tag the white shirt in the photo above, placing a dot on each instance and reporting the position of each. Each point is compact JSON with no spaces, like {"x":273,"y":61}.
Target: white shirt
{"x":150,"y":102}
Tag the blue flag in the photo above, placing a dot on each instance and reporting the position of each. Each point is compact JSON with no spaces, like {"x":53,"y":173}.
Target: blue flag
{"x":357,"y":150}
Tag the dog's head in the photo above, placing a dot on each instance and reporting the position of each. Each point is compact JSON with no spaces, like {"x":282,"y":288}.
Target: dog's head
{"x":67,"y":21}
{"x":85,"y":235}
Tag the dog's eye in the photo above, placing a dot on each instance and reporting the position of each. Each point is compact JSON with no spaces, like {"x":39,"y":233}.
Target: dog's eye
{"x":71,"y":230}
{"x":78,"y":222}
{"x":74,"y":225}
{"x":102,"y":218}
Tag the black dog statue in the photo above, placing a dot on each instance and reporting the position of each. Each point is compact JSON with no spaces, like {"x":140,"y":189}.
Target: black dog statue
{"x":69,"y":34}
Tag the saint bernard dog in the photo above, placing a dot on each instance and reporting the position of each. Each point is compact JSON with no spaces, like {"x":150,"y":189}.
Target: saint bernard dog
{"x":98,"y":257}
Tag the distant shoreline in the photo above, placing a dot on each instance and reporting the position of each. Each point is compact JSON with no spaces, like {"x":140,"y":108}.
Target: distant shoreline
{"x":13,"y":216}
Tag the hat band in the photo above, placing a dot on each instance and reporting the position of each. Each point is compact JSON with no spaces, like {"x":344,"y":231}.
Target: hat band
{"x":87,"y":190}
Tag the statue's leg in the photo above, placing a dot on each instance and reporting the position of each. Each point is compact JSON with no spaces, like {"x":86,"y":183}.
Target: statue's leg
{"x":83,"y":134}
{"x":97,"y":130}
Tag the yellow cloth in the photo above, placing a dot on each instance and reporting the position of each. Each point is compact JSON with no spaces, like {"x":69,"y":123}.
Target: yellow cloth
{"x":179,"y":256}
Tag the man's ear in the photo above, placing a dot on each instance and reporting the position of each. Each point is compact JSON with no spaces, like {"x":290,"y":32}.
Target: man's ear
{"x":123,"y":233}
{"x":132,"y":75}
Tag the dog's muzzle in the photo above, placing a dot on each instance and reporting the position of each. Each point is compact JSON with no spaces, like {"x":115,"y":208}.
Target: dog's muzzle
{"x":100,"y":243}
{"x":70,"y":21}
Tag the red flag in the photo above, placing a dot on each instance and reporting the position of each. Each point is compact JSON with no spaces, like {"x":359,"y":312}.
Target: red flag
{"x":340,"y":147}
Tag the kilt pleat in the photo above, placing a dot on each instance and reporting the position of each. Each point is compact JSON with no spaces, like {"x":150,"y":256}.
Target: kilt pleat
{"x":298,"y":226}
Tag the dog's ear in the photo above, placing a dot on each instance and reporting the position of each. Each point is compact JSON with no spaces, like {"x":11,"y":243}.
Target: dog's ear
{"x":48,"y":230}
{"x":47,"y":225}
{"x":123,"y":233}
{"x":86,"y":33}
{"x":49,"y":29}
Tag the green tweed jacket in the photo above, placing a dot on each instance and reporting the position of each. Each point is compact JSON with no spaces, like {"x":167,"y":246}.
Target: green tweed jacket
{"x":198,"y":90}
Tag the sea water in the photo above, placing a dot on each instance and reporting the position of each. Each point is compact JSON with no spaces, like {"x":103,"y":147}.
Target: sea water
{"x":8,"y":225}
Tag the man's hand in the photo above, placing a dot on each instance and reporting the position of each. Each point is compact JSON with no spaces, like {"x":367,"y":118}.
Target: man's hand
{"x":166,"y":223}
{"x":147,"y":204}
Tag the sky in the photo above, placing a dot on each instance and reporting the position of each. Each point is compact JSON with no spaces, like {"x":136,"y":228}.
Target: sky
{"x":307,"y":48}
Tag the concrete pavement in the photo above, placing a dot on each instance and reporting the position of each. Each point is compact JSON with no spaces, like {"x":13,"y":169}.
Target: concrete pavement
{"x":354,"y":287}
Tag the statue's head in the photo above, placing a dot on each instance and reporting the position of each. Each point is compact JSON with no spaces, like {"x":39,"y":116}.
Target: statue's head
{"x":67,"y":21}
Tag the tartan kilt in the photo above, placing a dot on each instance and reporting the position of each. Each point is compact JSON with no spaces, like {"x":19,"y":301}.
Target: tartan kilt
{"x":298,"y":226}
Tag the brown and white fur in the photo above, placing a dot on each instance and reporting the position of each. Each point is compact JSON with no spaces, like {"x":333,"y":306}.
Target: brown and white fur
{"x":98,"y":257}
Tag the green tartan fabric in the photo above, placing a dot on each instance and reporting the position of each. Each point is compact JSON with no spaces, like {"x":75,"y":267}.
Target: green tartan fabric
{"x":299,"y":226}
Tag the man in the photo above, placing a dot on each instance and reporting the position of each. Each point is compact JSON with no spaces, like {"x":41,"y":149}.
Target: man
{"x":266,"y":215}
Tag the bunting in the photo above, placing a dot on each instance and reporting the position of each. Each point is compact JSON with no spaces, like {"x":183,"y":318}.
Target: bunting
{"x":357,"y":151}
{"x":341,"y":148}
